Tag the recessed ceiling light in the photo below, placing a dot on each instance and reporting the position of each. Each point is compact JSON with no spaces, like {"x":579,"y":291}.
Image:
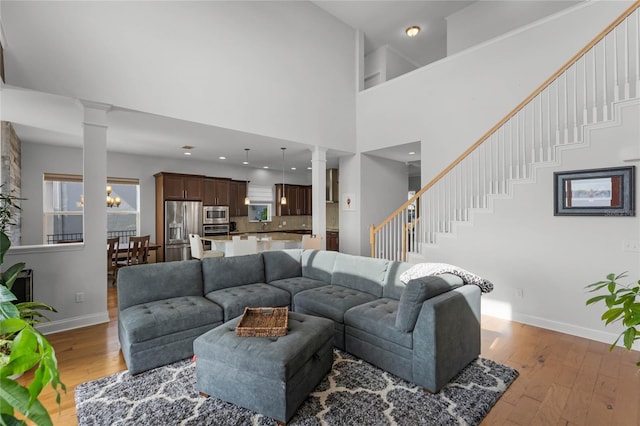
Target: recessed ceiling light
{"x":265,"y":167}
{"x":245,"y":162}
{"x":412,"y":153}
{"x":222,"y":157}
{"x":293,"y":168}
{"x":412,"y":31}
{"x":309,"y":168}
{"x":187,"y":153}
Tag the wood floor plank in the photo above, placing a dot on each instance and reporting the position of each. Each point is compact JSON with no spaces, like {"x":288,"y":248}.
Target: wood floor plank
{"x":550,"y":411}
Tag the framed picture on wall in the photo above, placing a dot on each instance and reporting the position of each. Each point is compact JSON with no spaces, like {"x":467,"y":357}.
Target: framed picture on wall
{"x":348,"y":202}
{"x":595,"y":192}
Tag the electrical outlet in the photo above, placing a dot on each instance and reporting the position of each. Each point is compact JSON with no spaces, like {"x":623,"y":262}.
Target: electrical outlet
{"x":79,"y":297}
{"x":284,"y":222}
{"x":520,"y":293}
{"x":631,"y":245}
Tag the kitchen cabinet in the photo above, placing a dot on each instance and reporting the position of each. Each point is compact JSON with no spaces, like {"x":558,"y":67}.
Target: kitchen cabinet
{"x":298,"y":200}
{"x":174,"y":186}
{"x":333,"y":241}
{"x":237,"y":194}
{"x":308,"y":206}
{"x":216,"y":192}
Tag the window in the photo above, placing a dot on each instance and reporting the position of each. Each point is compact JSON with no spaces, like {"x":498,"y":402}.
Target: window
{"x":63,"y":208}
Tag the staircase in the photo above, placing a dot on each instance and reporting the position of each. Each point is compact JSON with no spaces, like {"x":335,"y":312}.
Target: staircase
{"x":586,"y":91}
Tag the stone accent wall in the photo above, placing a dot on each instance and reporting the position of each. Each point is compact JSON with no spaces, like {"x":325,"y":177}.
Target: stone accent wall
{"x":11,"y":173}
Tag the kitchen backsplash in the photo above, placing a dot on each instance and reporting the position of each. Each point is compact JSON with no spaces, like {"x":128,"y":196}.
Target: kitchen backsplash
{"x":278,"y":223}
{"x":287,"y":223}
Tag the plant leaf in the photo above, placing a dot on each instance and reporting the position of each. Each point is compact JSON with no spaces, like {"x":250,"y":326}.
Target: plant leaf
{"x":5,"y":244}
{"x":18,"y":397}
{"x":596,"y":299}
{"x":11,"y":326}
{"x":6,"y":295}
{"x":11,"y":274}
{"x":7,"y":419}
{"x":629,"y":337}
{"x":8,"y":310}
{"x":612,"y":314}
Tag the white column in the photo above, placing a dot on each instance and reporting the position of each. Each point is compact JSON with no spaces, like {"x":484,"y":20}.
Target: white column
{"x":319,"y":181}
{"x":95,"y":182}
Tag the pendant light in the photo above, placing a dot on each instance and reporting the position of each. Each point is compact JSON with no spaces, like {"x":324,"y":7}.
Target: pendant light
{"x":283,"y":200}
{"x":247,"y":201}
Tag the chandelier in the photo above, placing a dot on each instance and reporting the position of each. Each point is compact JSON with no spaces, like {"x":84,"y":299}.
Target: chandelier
{"x":111,"y":201}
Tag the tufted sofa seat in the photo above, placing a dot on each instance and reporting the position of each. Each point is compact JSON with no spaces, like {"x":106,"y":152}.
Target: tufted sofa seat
{"x":424,"y":331}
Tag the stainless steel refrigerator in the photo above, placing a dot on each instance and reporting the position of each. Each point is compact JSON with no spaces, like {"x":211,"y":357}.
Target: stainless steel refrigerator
{"x":181,"y":219}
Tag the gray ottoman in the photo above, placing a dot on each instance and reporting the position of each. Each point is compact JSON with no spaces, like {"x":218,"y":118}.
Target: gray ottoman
{"x":269,"y":375}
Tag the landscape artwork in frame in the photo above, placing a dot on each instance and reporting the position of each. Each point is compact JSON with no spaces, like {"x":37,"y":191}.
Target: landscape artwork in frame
{"x":595,"y":192}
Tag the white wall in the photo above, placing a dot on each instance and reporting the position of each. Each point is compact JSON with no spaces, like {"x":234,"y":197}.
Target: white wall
{"x":484,"y":20}
{"x":351,"y":232}
{"x":375,"y":67}
{"x":384,"y":64}
{"x":398,"y":64}
{"x":384,"y":189}
{"x":522,"y":245}
{"x":279,"y":69}
{"x":39,"y":159}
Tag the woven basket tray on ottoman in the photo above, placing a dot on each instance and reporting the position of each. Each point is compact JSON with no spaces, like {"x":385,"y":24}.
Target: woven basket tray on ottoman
{"x":269,"y":375}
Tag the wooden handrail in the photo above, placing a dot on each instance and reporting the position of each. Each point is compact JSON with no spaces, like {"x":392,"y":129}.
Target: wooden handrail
{"x":374,"y":229}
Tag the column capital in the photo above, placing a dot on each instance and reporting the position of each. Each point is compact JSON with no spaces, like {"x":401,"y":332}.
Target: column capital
{"x":95,"y":113}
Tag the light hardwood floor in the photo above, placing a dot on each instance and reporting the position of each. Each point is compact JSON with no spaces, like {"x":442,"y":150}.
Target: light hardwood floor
{"x":564,"y":380}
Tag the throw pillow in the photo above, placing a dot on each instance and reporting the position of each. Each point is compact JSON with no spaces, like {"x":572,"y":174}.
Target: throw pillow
{"x":427,"y":269}
{"x":415,"y":293}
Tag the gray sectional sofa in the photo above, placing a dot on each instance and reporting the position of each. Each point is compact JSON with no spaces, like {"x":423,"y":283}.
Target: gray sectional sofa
{"x":425,"y":331}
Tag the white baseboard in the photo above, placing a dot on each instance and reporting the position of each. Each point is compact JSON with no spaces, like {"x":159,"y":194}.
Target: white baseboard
{"x":574,"y":330}
{"x":72,"y":323}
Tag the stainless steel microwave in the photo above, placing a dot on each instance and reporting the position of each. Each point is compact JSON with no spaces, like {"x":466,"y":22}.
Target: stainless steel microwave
{"x":214,"y":215}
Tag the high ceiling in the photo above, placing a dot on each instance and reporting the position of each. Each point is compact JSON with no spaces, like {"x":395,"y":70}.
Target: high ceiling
{"x":135,"y":132}
{"x":384,"y":22}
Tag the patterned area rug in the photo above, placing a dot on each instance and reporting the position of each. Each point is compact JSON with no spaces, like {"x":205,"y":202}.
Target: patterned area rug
{"x":354,"y":393}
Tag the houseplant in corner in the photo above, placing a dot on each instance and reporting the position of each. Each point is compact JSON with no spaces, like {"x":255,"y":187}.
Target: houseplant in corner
{"x":22,"y":347}
{"x":623,"y":303}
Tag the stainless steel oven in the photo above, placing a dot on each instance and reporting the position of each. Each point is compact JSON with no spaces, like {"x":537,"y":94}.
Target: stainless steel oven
{"x":215,"y":215}
{"x":214,"y":231}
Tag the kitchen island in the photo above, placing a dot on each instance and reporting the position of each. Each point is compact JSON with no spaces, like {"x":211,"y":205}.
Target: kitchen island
{"x":266,"y":241}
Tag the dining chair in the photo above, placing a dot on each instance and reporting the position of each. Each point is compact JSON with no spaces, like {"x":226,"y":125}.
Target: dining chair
{"x":138,"y":251}
{"x":112,"y":259}
{"x":312,"y":242}
{"x":241,"y":247}
{"x":198,"y":251}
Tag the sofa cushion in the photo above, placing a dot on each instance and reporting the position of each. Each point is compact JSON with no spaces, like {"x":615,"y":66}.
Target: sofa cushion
{"x":360,"y":273}
{"x":297,"y":284}
{"x":146,"y":283}
{"x":233,"y":271}
{"x":417,"y":291}
{"x":330,"y":301}
{"x":233,"y":300}
{"x":393,"y":286}
{"x":378,"y":318}
{"x":318,"y":264}
{"x":163,"y":317}
{"x":281,"y":264}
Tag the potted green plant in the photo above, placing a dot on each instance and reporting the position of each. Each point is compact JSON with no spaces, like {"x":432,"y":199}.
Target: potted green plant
{"x":22,"y":347}
{"x":623,"y":303}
